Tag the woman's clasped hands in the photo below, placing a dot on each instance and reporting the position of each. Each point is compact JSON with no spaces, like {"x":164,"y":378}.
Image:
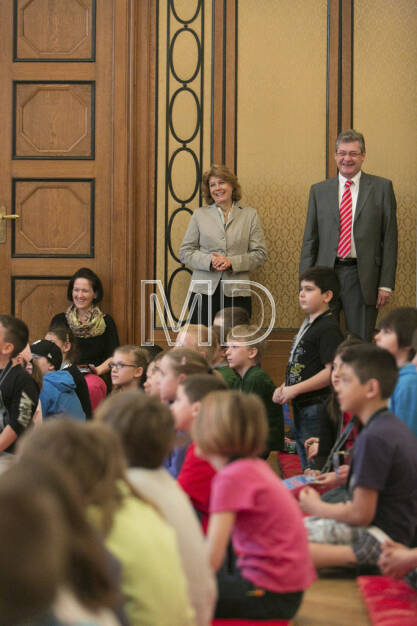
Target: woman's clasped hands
{"x":220,"y":262}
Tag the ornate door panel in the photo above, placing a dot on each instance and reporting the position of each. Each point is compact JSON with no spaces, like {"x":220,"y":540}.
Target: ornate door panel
{"x":56,"y":151}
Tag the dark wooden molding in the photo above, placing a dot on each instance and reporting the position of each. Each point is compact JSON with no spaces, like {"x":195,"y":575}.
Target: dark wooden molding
{"x":339,"y":74}
{"x":224,"y":83}
{"x":135,"y":29}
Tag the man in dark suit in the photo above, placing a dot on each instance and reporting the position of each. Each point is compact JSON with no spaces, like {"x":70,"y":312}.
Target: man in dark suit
{"x":351,"y":225}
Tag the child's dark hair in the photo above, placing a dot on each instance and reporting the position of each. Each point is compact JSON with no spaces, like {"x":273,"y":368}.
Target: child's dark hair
{"x":87,"y":573}
{"x":158,"y":356}
{"x":144,"y":425}
{"x":16,"y":333}
{"x":403,"y":321}
{"x":333,"y":407}
{"x":197,"y":386}
{"x":95,"y":282}
{"x":324,"y":278}
{"x":369,"y":361}
{"x":65,"y":335}
{"x":95,"y":456}
{"x":34,"y":550}
{"x":152,"y":351}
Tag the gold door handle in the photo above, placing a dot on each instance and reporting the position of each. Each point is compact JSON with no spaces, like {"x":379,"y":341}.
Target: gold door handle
{"x":3,"y":218}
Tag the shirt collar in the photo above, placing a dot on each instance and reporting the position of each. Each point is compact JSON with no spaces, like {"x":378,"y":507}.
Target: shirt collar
{"x":324,"y":314}
{"x":355,"y":179}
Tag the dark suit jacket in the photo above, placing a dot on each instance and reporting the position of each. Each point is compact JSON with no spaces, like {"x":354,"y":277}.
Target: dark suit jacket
{"x":374,"y":231}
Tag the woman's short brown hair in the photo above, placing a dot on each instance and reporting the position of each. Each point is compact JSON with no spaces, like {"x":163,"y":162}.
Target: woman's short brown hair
{"x":223,"y":172}
{"x":231,"y":424}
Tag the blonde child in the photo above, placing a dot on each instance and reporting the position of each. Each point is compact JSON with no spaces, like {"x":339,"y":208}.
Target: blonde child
{"x":245,"y":360}
{"x":198,"y":337}
{"x":146,"y":429}
{"x":250,"y":505}
{"x":175,"y":365}
{"x":195,"y":338}
{"x":152,"y":581}
{"x":127,"y":367}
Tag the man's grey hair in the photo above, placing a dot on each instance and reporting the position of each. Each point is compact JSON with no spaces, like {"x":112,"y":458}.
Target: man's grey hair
{"x":350,"y":135}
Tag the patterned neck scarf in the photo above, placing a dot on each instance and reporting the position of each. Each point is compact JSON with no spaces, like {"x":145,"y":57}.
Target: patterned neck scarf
{"x":93,"y":326}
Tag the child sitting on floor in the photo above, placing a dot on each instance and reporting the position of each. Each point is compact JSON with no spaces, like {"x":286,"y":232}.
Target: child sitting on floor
{"x":64,"y":338}
{"x":174,"y":366}
{"x":383,"y":477}
{"x":245,"y":359}
{"x":250,"y":505}
{"x":196,"y":474}
{"x":19,"y":394}
{"x":152,"y":383}
{"x":58,"y":394}
{"x":200,"y":338}
{"x":128,"y":365}
{"x":152,"y":580}
{"x":396,"y":331}
{"x":146,"y":429}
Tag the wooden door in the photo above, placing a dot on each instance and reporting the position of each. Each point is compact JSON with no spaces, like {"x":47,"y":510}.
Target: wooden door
{"x":57,"y":112}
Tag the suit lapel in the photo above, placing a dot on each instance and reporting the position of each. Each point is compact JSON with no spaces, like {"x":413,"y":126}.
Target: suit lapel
{"x":233,"y":214}
{"x":364,"y":189}
{"x":332,"y":198}
{"x":215,"y":216}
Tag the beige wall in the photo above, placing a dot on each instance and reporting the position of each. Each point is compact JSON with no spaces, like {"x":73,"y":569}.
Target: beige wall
{"x":281,"y":126}
{"x":281,"y":130}
{"x":385,"y":110}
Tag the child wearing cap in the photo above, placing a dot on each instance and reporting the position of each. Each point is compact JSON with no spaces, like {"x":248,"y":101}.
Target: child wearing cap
{"x":58,"y":395}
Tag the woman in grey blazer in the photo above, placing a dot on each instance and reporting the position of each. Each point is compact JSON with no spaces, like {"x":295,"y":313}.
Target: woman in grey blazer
{"x":224,"y":242}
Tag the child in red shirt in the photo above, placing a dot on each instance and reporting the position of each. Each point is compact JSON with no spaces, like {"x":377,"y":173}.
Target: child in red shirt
{"x":196,"y":474}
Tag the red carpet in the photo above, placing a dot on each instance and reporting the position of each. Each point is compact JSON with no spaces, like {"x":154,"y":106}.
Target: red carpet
{"x":389,"y":602}
{"x":247,"y":622}
{"x":290,"y":464}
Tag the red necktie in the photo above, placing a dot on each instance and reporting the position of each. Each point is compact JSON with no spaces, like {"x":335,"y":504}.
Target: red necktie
{"x":345,"y":221}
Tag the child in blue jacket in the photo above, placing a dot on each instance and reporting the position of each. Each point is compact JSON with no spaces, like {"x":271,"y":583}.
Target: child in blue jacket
{"x":58,"y":395}
{"x":396,"y":331}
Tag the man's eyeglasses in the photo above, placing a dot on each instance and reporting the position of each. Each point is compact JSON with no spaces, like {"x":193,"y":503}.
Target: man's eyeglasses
{"x":353,"y":155}
{"x":119,"y":365}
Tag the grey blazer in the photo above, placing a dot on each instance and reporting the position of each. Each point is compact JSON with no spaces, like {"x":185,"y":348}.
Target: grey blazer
{"x":242,"y":241}
{"x":374,"y":231}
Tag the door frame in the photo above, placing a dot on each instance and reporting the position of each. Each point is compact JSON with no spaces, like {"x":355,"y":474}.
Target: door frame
{"x":134,"y":130}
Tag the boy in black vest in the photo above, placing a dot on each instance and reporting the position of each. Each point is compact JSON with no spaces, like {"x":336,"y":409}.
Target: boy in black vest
{"x":19,"y":393}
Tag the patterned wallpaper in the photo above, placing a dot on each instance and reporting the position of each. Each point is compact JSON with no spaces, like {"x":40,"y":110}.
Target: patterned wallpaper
{"x":281,"y":130}
{"x":184,"y":110}
{"x":385,"y":110}
{"x":281,"y":126}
